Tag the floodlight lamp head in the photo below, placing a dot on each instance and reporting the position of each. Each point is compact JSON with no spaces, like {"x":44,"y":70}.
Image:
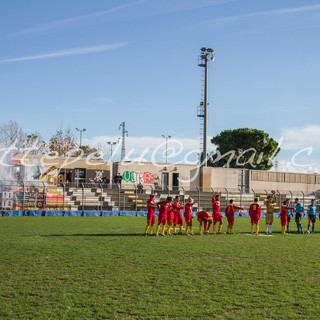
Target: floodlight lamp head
{"x":203,"y":49}
{"x":169,"y":137}
{"x":163,"y":136}
{"x":84,"y":129}
{"x":77,"y":129}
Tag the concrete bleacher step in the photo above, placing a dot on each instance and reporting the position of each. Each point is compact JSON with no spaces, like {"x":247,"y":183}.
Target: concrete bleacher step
{"x":91,"y":197}
{"x":129,"y":200}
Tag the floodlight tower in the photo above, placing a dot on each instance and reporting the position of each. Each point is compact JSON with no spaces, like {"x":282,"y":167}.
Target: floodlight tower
{"x":124,"y":135}
{"x":111,"y":144}
{"x":206,"y":54}
{"x":167,"y":138}
{"x":81,"y":130}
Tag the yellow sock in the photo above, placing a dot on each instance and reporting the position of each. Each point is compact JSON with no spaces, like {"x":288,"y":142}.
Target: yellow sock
{"x":162,"y":229}
{"x":257,"y":229}
{"x":168,"y":229}
{"x":252,"y":227}
{"x":187,"y":229}
{"x":174,"y":229}
{"x":191,"y":230}
{"x":283,"y":229}
{"x":180,"y":229}
{"x":214,"y":228}
{"x":147,"y":228}
{"x":158,"y":227}
{"x":151,"y":230}
{"x":230,"y":229}
{"x":220,"y":228}
{"x":200,"y":229}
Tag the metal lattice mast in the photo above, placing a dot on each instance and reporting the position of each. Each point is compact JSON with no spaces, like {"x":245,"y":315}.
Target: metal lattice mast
{"x":205,"y":55}
{"x":124,"y":135}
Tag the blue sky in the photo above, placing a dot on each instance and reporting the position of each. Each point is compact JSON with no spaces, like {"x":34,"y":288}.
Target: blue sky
{"x":94,"y":64}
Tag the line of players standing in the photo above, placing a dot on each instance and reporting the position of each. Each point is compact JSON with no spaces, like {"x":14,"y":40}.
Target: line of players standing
{"x":286,"y":212}
{"x":170,"y":215}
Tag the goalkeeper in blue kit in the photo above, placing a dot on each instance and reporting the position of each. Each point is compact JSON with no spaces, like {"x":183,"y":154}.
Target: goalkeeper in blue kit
{"x":299,"y":209}
{"x":311,"y":215}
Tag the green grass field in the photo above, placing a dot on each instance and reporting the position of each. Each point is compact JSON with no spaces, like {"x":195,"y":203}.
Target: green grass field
{"x":103,"y":268}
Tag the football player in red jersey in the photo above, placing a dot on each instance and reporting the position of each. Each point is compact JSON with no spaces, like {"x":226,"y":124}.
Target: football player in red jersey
{"x":255,"y":213}
{"x":230,"y":215}
{"x":216,"y":214}
{"x":151,"y":215}
{"x":162,"y":218}
{"x":284,"y":215}
{"x":170,"y":215}
{"x":206,"y":218}
{"x":177,"y":206}
{"x":188,"y":216}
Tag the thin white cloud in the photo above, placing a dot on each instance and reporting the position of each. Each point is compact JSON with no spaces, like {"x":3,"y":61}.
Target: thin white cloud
{"x":145,"y":147}
{"x":301,"y":137}
{"x":170,"y":6}
{"x":152,"y":8}
{"x":106,"y":100}
{"x":45,"y":27}
{"x":262,"y":13}
{"x":89,"y":110}
{"x":67,"y":52}
{"x":141,"y":143}
{"x":287,"y":166}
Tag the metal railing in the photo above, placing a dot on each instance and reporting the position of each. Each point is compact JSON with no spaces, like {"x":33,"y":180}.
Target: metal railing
{"x":36,"y":195}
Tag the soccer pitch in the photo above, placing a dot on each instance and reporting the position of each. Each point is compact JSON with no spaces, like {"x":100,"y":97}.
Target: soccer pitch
{"x":103,"y":268}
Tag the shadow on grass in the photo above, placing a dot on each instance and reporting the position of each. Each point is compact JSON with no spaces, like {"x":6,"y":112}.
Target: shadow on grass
{"x":95,"y":235}
{"x":142,"y":235}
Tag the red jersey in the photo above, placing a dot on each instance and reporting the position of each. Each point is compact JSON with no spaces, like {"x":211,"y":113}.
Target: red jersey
{"x":177,"y":213}
{"x":170,"y":208}
{"x":187,"y":209}
{"x":255,"y":209}
{"x":215,"y":206}
{"x":284,"y":209}
{"x":231,"y":208}
{"x":151,"y":205}
{"x":177,"y":207}
{"x":204,"y":216}
{"x":163,"y":208}
{"x":284,"y":215}
{"x":170,"y":213}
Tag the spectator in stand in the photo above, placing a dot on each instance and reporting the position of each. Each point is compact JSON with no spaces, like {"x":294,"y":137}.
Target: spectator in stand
{"x":19,"y":176}
{"x":140,"y":188}
{"x":117,"y":179}
{"x":69,"y":177}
